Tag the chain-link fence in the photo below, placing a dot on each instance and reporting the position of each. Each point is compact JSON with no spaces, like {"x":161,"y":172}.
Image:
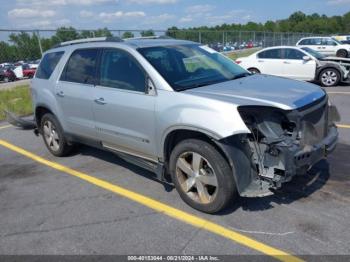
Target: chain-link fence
{"x":18,"y":46}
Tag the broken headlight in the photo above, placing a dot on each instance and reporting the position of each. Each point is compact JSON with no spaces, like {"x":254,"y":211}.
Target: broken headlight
{"x":266,"y":123}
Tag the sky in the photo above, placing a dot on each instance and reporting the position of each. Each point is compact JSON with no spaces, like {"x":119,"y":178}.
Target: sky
{"x":154,"y":14}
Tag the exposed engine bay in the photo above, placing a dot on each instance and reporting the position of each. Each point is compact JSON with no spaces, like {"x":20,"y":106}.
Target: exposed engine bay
{"x":287,"y":143}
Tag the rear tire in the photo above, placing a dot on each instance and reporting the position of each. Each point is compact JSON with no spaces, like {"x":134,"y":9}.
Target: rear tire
{"x":210,"y":186}
{"x":342,"y":53}
{"x":329,"y":77}
{"x":53,"y":136}
{"x":6,"y":79}
{"x":254,"y":70}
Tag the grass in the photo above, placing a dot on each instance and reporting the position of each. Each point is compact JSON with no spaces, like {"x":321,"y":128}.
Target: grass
{"x":17,"y":100}
{"x":243,"y":53}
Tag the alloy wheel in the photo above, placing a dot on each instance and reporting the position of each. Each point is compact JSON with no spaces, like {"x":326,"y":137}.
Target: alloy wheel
{"x":196,"y":177}
{"x":329,"y":78}
{"x":51,"y":136}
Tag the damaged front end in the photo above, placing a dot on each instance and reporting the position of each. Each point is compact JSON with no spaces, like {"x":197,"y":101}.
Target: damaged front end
{"x":286,"y":143}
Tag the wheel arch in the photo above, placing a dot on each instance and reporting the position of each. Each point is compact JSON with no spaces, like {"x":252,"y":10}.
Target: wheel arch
{"x":327,"y":66}
{"x":255,"y":68}
{"x":41,"y":110}
{"x":227,"y":147}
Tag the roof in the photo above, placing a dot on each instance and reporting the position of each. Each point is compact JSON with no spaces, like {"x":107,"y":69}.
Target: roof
{"x":138,"y":42}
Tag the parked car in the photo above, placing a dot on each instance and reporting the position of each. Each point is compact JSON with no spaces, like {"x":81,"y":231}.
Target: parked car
{"x":7,"y":74}
{"x":345,"y":39}
{"x":298,"y":63}
{"x":181,"y":108}
{"x":28,"y":71}
{"x":325,"y":45}
{"x":250,"y":44}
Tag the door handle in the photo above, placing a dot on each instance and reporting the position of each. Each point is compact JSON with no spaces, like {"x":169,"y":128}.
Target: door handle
{"x":286,"y":62}
{"x":100,"y":101}
{"x":60,"y":93}
{"x":261,"y":61}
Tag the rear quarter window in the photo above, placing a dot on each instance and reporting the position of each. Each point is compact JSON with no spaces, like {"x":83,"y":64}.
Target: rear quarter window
{"x":48,"y":65}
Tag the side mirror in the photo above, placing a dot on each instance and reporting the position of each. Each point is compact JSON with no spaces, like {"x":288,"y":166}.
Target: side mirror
{"x":306,"y":58}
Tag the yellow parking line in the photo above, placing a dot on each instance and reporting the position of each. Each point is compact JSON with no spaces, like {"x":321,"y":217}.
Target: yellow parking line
{"x":3,"y":127}
{"x":343,"y":126}
{"x":338,"y":92}
{"x":161,"y":207}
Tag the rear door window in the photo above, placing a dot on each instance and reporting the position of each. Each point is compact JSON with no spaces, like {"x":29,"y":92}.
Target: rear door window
{"x":293,"y":54}
{"x":81,"y":67}
{"x":316,"y":41}
{"x":271,"y":54}
{"x":48,"y":65}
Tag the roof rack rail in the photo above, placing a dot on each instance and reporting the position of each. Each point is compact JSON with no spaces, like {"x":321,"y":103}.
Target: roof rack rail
{"x":90,"y":40}
{"x":149,"y":37}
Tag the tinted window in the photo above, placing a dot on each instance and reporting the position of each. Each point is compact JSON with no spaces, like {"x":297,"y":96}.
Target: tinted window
{"x":119,"y":70}
{"x":81,"y":67}
{"x":191,"y":66}
{"x":327,"y":41}
{"x":271,"y":54}
{"x":316,"y":41}
{"x":305,"y":42}
{"x":48,"y":65}
{"x":293,"y":54}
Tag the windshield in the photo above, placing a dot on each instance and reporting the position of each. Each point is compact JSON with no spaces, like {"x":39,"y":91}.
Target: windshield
{"x":337,"y":41}
{"x":191,"y":66}
{"x":314,"y":53}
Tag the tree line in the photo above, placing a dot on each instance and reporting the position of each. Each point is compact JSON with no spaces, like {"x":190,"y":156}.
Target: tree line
{"x":296,"y":22}
{"x":25,"y":46}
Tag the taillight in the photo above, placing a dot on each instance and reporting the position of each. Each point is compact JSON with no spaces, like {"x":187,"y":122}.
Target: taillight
{"x":238,"y":61}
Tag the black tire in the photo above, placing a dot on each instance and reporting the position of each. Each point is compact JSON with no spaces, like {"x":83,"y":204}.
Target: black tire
{"x":342,"y":53}
{"x":226,"y":190}
{"x":254,"y":70}
{"x":329,"y":77}
{"x":64,"y":148}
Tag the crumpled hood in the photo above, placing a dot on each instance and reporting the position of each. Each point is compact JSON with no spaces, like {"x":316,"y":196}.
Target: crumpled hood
{"x":262,"y":90}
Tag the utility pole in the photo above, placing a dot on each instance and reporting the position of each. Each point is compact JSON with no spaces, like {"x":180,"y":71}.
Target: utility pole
{"x":39,"y":41}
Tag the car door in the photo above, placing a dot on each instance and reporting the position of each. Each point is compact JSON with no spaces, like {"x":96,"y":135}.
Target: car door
{"x":270,"y":62}
{"x":123,"y":110}
{"x":330,"y":46}
{"x":296,"y":67}
{"x":74,"y":92}
{"x":318,"y":45}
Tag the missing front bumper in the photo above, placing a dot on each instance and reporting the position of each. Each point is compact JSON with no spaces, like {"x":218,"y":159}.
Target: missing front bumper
{"x":20,"y":122}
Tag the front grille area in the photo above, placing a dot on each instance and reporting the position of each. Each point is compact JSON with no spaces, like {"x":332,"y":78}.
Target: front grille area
{"x":314,"y":123}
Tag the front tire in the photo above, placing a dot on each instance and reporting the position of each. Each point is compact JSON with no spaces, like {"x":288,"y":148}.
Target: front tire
{"x":329,"y":77}
{"x":53,"y":136}
{"x":202,"y":176}
{"x":342,"y":53}
{"x":254,"y":70}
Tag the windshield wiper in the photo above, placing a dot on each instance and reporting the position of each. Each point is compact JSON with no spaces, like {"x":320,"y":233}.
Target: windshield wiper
{"x":182,"y":88}
{"x":241,"y":75}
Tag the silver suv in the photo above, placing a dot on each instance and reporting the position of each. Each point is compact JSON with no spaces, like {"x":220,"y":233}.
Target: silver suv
{"x":179,"y":108}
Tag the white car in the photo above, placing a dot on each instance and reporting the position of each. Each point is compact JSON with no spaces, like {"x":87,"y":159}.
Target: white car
{"x":325,"y":45}
{"x":298,"y":63}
